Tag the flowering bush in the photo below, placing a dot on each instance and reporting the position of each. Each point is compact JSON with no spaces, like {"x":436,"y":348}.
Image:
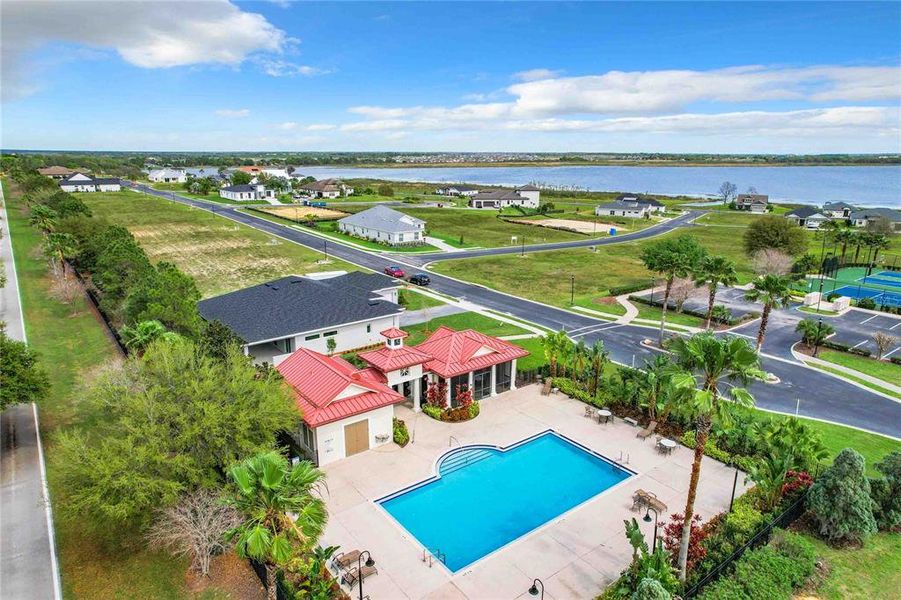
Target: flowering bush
{"x":672,"y":538}
{"x":796,"y":483}
{"x":463,"y":394}
{"x":436,"y":394}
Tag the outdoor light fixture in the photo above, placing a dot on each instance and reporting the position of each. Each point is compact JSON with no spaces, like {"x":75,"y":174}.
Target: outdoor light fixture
{"x":369,"y":563}
{"x":647,"y":519}
{"x":533,"y":591}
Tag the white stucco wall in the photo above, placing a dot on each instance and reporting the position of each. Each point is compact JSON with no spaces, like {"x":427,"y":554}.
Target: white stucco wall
{"x":395,"y":377}
{"x":330,"y":437}
{"x":109,"y":187}
{"x":532,"y":198}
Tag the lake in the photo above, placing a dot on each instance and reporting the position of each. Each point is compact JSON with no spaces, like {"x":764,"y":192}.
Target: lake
{"x":861,"y":186}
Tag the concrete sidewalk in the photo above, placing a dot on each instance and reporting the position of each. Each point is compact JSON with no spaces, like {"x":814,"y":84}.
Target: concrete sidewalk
{"x":28,"y":564}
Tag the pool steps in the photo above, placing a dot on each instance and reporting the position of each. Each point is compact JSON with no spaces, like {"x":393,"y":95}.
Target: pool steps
{"x":463,"y":458}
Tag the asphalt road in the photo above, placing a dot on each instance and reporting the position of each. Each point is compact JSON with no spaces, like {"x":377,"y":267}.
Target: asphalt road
{"x":653,"y":230}
{"x":821,"y":396}
{"x":28,"y":567}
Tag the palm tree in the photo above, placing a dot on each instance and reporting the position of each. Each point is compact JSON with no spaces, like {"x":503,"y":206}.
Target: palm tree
{"x":597,"y":357}
{"x":58,"y":245}
{"x":708,"y":360}
{"x":143,"y":334}
{"x":579,"y":360}
{"x":845,"y":237}
{"x":813,"y":333}
{"x":671,"y":258}
{"x":43,"y":217}
{"x":877,"y":241}
{"x":772,"y":291}
{"x":567,"y":349}
{"x":715,"y":271}
{"x":552,"y":343}
{"x":267,"y":489}
{"x":656,"y":375}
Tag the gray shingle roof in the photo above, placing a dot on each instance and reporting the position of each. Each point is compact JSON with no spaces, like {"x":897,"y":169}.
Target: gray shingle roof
{"x":803,"y":212}
{"x":294,"y":304}
{"x":383,"y":218}
{"x":619,"y":205}
{"x":875,"y":213}
{"x":498,"y":195}
{"x":241,"y":187}
{"x":837,"y":206}
{"x":638,"y":198}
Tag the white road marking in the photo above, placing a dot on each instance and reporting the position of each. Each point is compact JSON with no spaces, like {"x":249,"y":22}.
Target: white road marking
{"x":605,"y":327}
{"x":895,"y":325}
{"x":886,"y":355}
{"x":868,"y":319}
{"x":859,"y":343}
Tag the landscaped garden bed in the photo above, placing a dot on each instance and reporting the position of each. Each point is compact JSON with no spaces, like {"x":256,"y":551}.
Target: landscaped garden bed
{"x":464,"y":409}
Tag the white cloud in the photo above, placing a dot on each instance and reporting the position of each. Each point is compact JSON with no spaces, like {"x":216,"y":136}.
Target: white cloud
{"x":288,"y":126}
{"x":283,"y":68}
{"x":233,"y":113}
{"x":320,"y":127}
{"x":536,"y":74}
{"x":144,"y":34}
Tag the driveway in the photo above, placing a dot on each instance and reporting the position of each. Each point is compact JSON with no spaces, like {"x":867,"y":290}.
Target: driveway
{"x":848,"y":403}
{"x":28,"y":566}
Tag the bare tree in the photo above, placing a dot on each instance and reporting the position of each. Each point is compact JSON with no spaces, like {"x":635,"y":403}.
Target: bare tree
{"x":195,"y":526}
{"x":67,"y":290}
{"x":681,"y":291}
{"x":883,"y":342}
{"x":727,"y":191}
{"x":771,"y":262}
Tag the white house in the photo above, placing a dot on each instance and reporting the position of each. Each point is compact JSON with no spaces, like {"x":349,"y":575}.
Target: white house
{"x":838,"y":210}
{"x":385,"y":225}
{"x":865,"y":216}
{"x":527,"y":196}
{"x":326,"y":188}
{"x":80,"y":182}
{"x":654,"y":205}
{"x":755,"y":203}
{"x":248,"y":192}
{"x":347,"y":410}
{"x":168,"y":176}
{"x":457,"y":190}
{"x":807,"y":216}
{"x":623,"y":209}
{"x":278,"y":317}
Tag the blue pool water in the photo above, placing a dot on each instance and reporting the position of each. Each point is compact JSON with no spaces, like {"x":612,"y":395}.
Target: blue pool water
{"x":485,"y":498}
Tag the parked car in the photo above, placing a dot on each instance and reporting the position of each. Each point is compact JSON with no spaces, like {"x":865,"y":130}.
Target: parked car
{"x":420,"y":279}
{"x":394,"y":271}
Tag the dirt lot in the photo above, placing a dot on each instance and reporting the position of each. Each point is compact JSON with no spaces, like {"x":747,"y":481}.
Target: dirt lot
{"x":571,"y":225}
{"x":300,"y":213}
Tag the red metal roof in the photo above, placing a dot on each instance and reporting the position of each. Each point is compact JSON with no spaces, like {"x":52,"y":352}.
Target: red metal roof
{"x":457,"y":352}
{"x":318,"y":380}
{"x":391,"y":359}
{"x":394,"y":333}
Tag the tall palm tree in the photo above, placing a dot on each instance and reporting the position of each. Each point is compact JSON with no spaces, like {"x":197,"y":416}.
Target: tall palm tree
{"x":597,"y":357}
{"x":708,"y":360}
{"x":845,"y":237}
{"x":656,"y":375}
{"x":877,"y":241}
{"x":552,"y":343}
{"x":714,"y":271}
{"x":267,"y":489}
{"x":772,"y":291}
{"x":672,"y":258}
{"x":579,"y":360}
{"x":43,"y":217}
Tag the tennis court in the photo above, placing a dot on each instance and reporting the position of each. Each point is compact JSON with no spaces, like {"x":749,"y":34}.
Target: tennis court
{"x":883,"y":287}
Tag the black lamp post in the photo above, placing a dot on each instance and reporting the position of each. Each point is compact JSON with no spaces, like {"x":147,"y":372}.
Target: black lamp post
{"x":369,"y":563}
{"x":572,"y":290}
{"x":647,"y":519}
{"x":325,"y":249}
{"x":533,"y":591}
{"x":522,"y":252}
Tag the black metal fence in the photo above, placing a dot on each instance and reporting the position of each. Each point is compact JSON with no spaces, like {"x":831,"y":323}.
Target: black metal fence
{"x":786,"y":518}
{"x":94,"y":301}
{"x":528,"y":377}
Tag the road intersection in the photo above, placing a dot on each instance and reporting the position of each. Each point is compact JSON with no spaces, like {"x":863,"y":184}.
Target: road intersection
{"x":801,"y":390}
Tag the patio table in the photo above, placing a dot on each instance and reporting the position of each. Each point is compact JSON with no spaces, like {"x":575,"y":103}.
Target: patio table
{"x":604,"y":414}
{"x":667,"y":445}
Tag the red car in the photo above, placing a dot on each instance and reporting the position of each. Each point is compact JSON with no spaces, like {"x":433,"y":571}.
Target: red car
{"x":394,"y":271}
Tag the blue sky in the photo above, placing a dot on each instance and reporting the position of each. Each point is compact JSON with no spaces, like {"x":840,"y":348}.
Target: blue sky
{"x":245,"y":76}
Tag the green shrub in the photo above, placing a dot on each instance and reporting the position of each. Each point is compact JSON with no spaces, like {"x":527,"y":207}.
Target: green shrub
{"x":401,"y":434}
{"x":886,"y":492}
{"x":474,"y":410}
{"x":868,"y":303}
{"x":710,"y":448}
{"x":650,"y":589}
{"x":571,"y":389}
{"x":432,"y":411}
{"x":725,"y":589}
{"x":800,"y":552}
{"x":765,"y":574}
{"x":840,"y":499}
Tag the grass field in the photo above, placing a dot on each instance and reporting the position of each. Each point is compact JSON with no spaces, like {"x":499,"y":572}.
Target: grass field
{"x":467,"y":320}
{"x":862,"y":573}
{"x":218,"y":253}
{"x":862,"y":382}
{"x":483,"y":228}
{"x":881,"y":369}
{"x":75,"y":346}
{"x":413,"y":300}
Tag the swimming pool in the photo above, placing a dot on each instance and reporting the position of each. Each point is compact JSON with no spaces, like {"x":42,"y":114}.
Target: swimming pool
{"x":485,"y":497}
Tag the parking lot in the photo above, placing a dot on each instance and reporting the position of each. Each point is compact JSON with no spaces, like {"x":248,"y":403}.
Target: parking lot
{"x":856,"y":329}
{"x":732,"y":298}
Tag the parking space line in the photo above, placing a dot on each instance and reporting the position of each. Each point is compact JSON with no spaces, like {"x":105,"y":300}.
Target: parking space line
{"x":887,"y":354}
{"x":868,"y":319}
{"x":895,"y":325}
{"x":860,"y":343}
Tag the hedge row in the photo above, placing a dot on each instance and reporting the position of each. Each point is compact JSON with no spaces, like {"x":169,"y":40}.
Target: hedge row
{"x":696,"y":313}
{"x":845,"y":348}
{"x":628,"y":289}
{"x":745,"y":463}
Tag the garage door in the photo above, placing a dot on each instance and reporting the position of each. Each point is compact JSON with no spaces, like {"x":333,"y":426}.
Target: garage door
{"x":356,"y":437}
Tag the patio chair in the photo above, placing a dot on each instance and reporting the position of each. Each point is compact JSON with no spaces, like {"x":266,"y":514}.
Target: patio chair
{"x":354,"y":575}
{"x":589,"y":412}
{"x":647,"y":431}
{"x":546,"y":388}
{"x":640,"y":498}
{"x":343,"y":560}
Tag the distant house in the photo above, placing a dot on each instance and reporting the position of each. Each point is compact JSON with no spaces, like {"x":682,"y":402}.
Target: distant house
{"x":457,"y":190}
{"x":326,"y":188}
{"x":527,"y":196}
{"x":277,"y":317}
{"x":654,"y":205}
{"x":755,"y":203}
{"x":620,"y":208}
{"x":245,"y":192}
{"x":250,"y":169}
{"x":808,"y":216}
{"x":838,"y":210}
{"x":385,"y":225}
{"x":56,"y":172}
{"x":80,"y":182}
{"x":168,"y":176}
{"x":865,"y":216}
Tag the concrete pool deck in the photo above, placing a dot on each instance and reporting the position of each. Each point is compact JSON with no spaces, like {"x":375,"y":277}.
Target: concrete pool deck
{"x":576,"y":554}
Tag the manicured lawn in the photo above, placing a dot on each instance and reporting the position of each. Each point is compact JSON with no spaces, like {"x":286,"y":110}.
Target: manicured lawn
{"x":221,"y":255}
{"x":870,"y":366}
{"x":861,"y":573}
{"x":467,"y":320}
{"x":814,"y":311}
{"x":862,"y":382}
{"x":535,"y":359}
{"x":413,"y":300}
{"x":483,"y":228}
{"x":72,"y":347}
{"x":676,"y":318}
